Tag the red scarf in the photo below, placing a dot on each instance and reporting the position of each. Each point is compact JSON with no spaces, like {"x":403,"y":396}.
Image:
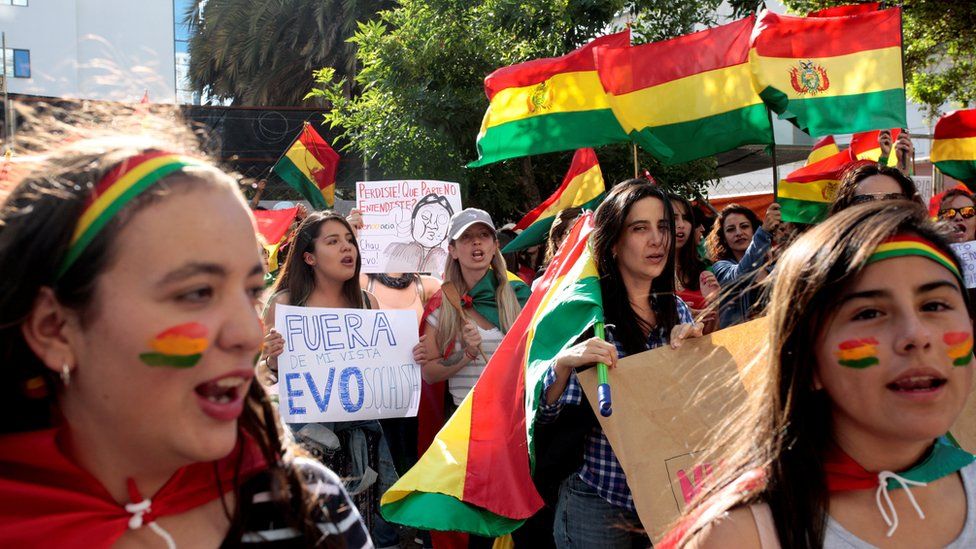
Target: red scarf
{"x":47,"y":500}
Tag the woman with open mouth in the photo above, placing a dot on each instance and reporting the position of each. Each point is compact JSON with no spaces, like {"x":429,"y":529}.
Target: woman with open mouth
{"x":129,"y":328}
{"x":844,"y":441}
{"x":694,"y":283}
{"x":740,"y":247}
{"x":958,"y":210}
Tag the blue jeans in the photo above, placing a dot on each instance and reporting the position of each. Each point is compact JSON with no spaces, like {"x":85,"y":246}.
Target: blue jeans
{"x":586,"y":520}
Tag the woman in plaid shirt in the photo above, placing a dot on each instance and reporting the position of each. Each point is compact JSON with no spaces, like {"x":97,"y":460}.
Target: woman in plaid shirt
{"x":633,"y":248}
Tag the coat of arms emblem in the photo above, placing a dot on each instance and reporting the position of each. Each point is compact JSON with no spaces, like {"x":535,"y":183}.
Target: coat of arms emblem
{"x":809,"y":78}
{"x":541,"y":97}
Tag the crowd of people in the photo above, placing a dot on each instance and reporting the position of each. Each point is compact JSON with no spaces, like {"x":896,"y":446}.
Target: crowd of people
{"x":135,"y":303}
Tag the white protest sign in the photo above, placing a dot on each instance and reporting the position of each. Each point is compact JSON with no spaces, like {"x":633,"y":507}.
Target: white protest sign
{"x":967,"y":256}
{"x":406,"y":224}
{"x":346,"y":364}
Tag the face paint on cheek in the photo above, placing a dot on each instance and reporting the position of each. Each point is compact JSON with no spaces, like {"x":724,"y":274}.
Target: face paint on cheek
{"x":858,"y":353}
{"x":960,"y":348}
{"x":179,"y":347}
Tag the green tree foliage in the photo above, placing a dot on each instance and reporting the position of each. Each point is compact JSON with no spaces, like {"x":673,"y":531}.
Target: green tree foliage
{"x":264,"y":53}
{"x":422,"y":69}
{"x":940,"y":47}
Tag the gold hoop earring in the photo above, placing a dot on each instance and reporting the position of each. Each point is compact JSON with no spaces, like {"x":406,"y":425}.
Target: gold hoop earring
{"x":65,"y":374}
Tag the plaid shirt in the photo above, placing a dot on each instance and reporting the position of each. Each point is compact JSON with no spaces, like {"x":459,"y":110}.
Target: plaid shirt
{"x":600,"y":469}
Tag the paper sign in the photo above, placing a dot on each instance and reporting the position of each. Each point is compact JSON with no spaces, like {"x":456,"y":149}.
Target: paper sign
{"x":346,"y":364}
{"x":967,"y":256}
{"x":666,"y":403}
{"x":406,"y":225}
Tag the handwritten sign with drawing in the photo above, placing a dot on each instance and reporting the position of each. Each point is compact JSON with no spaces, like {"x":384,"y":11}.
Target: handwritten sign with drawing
{"x":966,"y":251}
{"x":406,"y":224}
{"x":346,"y":364}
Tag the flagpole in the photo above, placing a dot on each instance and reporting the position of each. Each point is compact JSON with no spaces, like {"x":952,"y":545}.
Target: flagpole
{"x":772,"y":134}
{"x":634,"y":146}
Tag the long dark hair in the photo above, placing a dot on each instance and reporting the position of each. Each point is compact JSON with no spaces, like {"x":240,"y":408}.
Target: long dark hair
{"x":860,"y":171}
{"x":36,"y":225}
{"x":689,"y":265}
{"x":609,"y":220}
{"x":718,"y":248}
{"x":298,"y":277}
{"x":784,"y":425}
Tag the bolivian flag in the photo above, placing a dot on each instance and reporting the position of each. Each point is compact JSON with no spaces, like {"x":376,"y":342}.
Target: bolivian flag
{"x":582,"y":187}
{"x":548,"y":105}
{"x":954,"y":146}
{"x":830,"y":75}
{"x":309,"y":167}
{"x":476,"y":476}
{"x":865,"y":146}
{"x":688,"y":97}
{"x":805,"y":195}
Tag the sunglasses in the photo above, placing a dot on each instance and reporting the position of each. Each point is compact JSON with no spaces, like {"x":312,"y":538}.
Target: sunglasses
{"x":966,"y":212}
{"x":863,"y":198}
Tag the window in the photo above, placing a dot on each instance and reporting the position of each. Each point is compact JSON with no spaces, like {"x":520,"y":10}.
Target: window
{"x":18,"y":63}
{"x":13,"y":3}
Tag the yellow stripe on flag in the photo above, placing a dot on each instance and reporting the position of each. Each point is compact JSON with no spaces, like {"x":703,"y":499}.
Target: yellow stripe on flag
{"x":700,"y":96}
{"x":305,"y":161}
{"x":861,"y":72}
{"x":564,"y":92}
{"x":961,"y":148}
{"x":816,"y":155}
{"x":443,"y":466}
{"x":814,"y":191}
{"x":582,"y":189}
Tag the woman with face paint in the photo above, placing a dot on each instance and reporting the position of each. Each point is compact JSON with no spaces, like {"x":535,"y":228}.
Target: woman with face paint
{"x":845,"y":440}
{"x":129,"y":330}
{"x":632,"y":244}
{"x":740,"y":247}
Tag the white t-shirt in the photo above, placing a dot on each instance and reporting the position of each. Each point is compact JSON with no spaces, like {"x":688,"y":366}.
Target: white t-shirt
{"x":460,"y":384}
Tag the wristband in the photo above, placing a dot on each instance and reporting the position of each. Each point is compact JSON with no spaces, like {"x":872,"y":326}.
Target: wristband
{"x":470,"y":355}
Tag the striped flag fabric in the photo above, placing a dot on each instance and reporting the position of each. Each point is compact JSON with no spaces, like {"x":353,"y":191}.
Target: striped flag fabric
{"x":831,"y":75}
{"x":583,"y":187}
{"x":865,"y":146}
{"x":476,"y":476}
{"x":309,"y":166}
{"x":548,"y":105}
{"x":688,"y":97}
{"x":805,"y":195}
{"x":851,"y":9}
{"x":954,"y":146}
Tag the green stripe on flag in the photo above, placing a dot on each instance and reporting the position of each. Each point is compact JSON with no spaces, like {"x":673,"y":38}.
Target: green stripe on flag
{"x":554,"y":132}
{"x":538,"y":232}
{"x":860,"y":112}
{"x":802,"y":211}
{"x":963,"y":170}
{"x":703,"y":137}
{"x":289,"y":173}
{"x":433,"y":511}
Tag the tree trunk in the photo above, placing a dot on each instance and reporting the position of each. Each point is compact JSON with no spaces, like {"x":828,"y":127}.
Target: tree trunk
{"x":530,"y":190}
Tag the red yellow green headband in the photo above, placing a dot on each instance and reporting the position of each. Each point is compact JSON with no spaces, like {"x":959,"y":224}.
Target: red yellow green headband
{"x":119,"y":186}
{"x":908,"y":245}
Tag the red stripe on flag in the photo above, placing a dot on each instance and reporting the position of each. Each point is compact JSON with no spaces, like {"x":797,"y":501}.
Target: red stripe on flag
{"x":273,"y":224}
{"x":538,"y":70}
{"x":497,"y":477}
{"x":824,"y":142}
{"x":322,"y":152}
{"x":865,"y":141}
{"x":832,"y":167}
{"x":801,"y":37}
{"x":624,"y":70}
{"x":961,"y":123}
{"x":583,"y":160}
{"x":843,"y":11}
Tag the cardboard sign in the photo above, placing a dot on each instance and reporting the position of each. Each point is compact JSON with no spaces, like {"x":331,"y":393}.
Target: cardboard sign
{"x":666,"y":403}
{"x":406,"y":225}
{"x":346,"y":364}
{"x":967,"y":256}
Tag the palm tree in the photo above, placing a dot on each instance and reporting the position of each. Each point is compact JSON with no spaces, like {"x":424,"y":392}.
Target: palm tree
{"x":263,"y":53}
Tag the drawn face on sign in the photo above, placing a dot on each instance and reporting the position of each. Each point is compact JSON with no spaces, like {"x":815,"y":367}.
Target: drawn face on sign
{"x":431,"y":220}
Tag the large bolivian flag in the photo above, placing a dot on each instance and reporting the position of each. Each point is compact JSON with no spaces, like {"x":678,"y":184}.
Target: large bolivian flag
{"x":830,"y":75}
{"x":805,"y":195}
{"x":954,"y":146}
{"x":476,"y":476}
{"x":548,"y":105}
{"x":309,"y":166}
{"x":688,"y":97}
{"x":582,"y":187}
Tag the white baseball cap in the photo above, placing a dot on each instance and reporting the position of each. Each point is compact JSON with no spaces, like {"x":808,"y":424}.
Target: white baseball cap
{"x":466,"y":218}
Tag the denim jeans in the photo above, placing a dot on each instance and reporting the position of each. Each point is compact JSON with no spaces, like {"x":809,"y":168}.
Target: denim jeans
{"x":586,"y":520}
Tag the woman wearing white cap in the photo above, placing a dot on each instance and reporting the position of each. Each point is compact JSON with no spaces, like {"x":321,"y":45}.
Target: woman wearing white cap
{"x":465,"y":321}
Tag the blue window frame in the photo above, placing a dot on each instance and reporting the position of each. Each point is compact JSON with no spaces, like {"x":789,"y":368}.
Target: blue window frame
{"x":22,"y":68}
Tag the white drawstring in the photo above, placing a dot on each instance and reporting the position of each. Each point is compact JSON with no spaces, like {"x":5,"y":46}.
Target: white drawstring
{"x":892,"y":521}
{"x":138,"y":510}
